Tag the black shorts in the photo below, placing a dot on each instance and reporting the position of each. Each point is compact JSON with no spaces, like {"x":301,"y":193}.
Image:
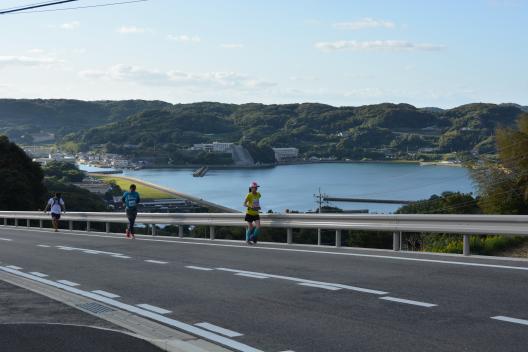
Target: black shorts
{"x":251,"y":218}
{"x":55,"y":216}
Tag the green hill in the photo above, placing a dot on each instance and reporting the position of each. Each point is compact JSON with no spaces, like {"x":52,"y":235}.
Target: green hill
{"x":19,"y":118}
{"x":371,"y":131}
{"x":157,"y":129}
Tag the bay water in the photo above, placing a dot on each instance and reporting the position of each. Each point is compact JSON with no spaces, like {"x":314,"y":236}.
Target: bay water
{"x":293,"y":186}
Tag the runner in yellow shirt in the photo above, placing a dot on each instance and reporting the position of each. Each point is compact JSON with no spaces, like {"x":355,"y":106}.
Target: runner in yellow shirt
{"x":252,"y":204}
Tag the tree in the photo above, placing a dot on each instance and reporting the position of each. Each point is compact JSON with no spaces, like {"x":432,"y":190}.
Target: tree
{"x":66,"y":172}
{"x":504,"y":185}
{"x":22,"y":179}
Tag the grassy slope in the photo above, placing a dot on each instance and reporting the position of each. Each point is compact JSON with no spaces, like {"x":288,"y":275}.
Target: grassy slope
{"x":146,"y":192}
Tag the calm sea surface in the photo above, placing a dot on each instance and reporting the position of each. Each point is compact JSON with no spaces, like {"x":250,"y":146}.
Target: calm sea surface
{"x":294,"y":186}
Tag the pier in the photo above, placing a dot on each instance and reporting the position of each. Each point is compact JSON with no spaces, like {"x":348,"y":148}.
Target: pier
{"x":365,"y":200}
{"x":201,"y":171}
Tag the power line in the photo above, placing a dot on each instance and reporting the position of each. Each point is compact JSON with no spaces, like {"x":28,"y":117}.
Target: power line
{"x":82,"y":7}
{"x":34,"y":6}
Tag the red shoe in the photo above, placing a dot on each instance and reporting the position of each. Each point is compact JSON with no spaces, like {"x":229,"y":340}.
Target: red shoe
{"x":127,"y":233}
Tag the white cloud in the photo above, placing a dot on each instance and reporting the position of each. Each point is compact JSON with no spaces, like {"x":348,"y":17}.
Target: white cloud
{"x":27,"y":61}
{"x":173,"y":78}
{"x":232,"y":46}
{"x":70,"y":25}
{"x":132,"y":30}
{"x":365,"y":23}
{"x":392,"y":45}
{"x":36,"y":51}
{"x":184,"y":38}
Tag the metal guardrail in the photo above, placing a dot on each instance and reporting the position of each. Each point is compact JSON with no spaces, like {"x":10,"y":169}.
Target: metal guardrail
{"x":515,"y":225}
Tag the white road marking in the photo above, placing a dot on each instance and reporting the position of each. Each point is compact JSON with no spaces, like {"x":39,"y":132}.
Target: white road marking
{"x":295,"y":279}
{"x":43,"y":245}
{"x":408,"y":301}
{"x":154,"y":308}
{"x":198,"y":268}
{"x":14,"y":267}
{"x":391,"y":257}
{"x":142,"y":312}
{"x":64,"y":248}
{"x":252,"y":276}
{"x":69,"y":283}
{"x":36,"y":273}
{"x":5,"y":239}
{"x":326,"y":287}
{"x":511,"y":320}
{"x":219,"y":330}
{"x":156,"y":261}
{"x":106,"y":294}
{"x":93,"y":251}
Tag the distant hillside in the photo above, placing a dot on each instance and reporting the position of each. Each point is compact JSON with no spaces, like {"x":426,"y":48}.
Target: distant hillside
{"x":23,"y":117}
{"x":371,"y":131}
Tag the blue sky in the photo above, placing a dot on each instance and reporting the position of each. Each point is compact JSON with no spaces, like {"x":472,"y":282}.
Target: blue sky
{"x":426,"y":53}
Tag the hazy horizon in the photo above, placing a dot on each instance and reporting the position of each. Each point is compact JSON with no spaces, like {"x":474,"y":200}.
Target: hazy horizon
{"x":428,"y":54}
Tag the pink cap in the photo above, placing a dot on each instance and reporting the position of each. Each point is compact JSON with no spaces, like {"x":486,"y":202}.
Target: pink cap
{"x":254,"y":184}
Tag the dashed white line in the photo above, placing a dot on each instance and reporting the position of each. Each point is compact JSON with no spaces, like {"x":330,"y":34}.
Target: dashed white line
{"x":36,"y":273}
{"x":5,"y":239}
{"x":43,"y":245}
{"x":408,"y":301}
{"x":154,"y":309}
{"x":252,"y":276}
{"x":219,"y":330}
{"x":105,"y":293}
{"x":511,"y":320}
{"x":69,"y":283}
{"x":14,"y":267}
{"x":295,"y":279}
{"x":156,"y":261}
{"x":390,"y":257}
{"x":198,"y":268}
{"x":326,"y":287}
{"x":121,"y":256}
{"x":238,"y":346}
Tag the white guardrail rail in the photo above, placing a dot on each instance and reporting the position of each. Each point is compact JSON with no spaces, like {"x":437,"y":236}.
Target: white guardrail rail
{"x":513,"y":225}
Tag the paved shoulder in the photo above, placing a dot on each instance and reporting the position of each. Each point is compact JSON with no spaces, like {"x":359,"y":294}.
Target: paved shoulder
{"x":32,"y":322}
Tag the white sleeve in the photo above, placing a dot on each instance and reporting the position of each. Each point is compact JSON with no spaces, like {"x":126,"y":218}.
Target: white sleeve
{"x":50,"y":201}
{"x":62,"y":202}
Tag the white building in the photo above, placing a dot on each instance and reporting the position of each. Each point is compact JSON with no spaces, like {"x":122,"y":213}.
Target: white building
{"x":218,"y":147}
{"x":284,"y":154}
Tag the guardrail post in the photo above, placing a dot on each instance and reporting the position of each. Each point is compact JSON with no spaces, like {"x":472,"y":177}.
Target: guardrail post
{"x":180,"y":231}
{"x":16,"y":222}
{"x":211,"y":232}
{"x":396,"y":237}
{"x":88,"y":226}
{"x":41,"y":223}
{"x":70,"y":225}
{"x":466,"y":245}
{"x":28,"y":223}
{"x":154,"y":230}
{"x":318,"y":237}
{"x":107,"y":227}
{"x":338,"y":238}
{"x":289,"y":236}
{"x":5,"y":221}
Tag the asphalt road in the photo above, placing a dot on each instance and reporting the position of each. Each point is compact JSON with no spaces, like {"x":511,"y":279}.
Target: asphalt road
{"x":290,"y":298}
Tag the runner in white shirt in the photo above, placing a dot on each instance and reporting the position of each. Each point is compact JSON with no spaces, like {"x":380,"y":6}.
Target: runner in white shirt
{"x":56,"y":206}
